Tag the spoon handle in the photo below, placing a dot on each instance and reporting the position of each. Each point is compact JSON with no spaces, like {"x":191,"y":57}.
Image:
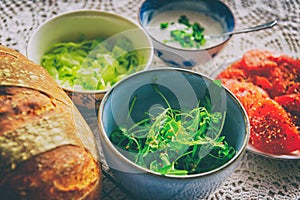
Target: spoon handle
{"x":254,"y":28}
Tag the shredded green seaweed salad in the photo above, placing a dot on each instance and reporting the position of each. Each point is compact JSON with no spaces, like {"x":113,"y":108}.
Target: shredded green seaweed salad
{"x":192,"y":35}
{"x":175,"y":142}
{"x":91,"y":64}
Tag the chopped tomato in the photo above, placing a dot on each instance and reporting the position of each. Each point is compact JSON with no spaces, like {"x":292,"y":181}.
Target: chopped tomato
{"x":296,"y":67}
{"x":257,"y":60}
{"x":247,"y":93}
{"x":272,"y":130}
{"x":232,"y":73}
{"x":294,"y":88}
{"x":278,"y":81}
{"x":291,"y":102}
{"x":288,"y":72}
{"x":263,"y":82}
{"x":268,"y":86}
{"x":293,"y":65}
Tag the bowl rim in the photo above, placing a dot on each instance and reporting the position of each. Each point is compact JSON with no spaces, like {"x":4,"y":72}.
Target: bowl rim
{"x":187,"y":49}
{"x":139,"y":169}
{"x":94,"y":12}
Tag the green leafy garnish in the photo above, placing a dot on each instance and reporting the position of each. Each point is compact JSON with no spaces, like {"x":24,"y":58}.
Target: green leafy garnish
{"x":175,"y":142}
{"x":191,"y":36}
{"x":218,"y":82}
{"x":91,"y":64}
{"x":184,"y":20}
{"x":164,"y":25}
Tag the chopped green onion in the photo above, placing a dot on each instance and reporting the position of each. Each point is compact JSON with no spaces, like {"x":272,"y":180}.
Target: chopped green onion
{"x":192,"y":36}
{"x":91,"y":64}
{"x":184,"y":20}
{"x":164,"y":25}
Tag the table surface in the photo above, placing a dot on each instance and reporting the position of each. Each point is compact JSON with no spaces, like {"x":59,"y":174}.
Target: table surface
{"x":257,"y":177}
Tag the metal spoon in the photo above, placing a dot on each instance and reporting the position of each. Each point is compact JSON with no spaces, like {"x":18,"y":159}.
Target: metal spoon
{"x":254,"y":28}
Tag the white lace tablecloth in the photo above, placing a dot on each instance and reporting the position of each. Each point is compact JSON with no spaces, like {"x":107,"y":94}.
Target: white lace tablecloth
{"x":257,"y":177}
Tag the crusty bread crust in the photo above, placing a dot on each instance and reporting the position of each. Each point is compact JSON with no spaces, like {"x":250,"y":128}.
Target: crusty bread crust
{"x":47,"y":151}
{"x":66,"y":172}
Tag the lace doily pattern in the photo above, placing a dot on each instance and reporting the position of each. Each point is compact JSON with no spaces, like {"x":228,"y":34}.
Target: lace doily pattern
{"x":257,"y":177}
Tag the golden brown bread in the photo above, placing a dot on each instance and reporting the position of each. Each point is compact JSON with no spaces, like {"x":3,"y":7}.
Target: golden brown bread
{"x":47,"y":150}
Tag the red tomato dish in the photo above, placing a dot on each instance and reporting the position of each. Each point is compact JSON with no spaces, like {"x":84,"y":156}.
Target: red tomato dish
{"x":268,"y":86}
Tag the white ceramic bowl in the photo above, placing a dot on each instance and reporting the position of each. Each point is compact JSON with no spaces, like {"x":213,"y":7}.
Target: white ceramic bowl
{"x":217,"y":12}
{"x":92,"y":24}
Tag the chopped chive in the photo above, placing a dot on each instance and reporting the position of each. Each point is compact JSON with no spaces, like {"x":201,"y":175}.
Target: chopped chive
{"x":190,"y":36}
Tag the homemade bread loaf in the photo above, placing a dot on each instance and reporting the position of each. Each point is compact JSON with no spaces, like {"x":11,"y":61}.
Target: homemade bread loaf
{"x":47,"y":150}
